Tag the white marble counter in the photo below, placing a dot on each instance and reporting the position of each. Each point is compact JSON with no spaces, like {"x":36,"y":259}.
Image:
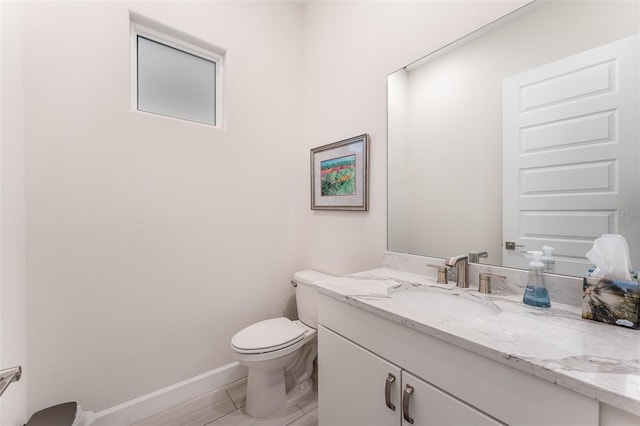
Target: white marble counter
{"x":598,"y":360}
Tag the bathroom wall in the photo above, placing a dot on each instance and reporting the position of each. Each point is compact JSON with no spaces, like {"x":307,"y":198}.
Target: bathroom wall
{"x":151,"y":241}
{"x":13,"y":404}
{"x":350,"y":48}
{"x":398,"y":200}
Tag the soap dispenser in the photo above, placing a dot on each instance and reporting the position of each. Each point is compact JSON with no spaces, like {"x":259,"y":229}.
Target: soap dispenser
{"x":536,"y":293}
{"x":547,"y":259}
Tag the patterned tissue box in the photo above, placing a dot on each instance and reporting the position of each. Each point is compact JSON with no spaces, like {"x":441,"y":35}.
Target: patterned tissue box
{"x":611,"y":301}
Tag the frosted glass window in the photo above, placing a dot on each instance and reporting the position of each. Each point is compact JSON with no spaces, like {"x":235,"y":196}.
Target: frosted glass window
{"x":175,"y":83}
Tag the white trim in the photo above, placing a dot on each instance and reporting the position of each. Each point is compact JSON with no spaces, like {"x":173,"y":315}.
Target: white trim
{"x":142,"y":26}
{"x":155,"y":402}
{"x":176,"y":43}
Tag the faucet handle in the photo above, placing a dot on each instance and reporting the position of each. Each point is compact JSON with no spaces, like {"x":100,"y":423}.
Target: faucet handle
{"x":485,"y":282}
{"x":442,"y":273}
{"x":474,"y":256}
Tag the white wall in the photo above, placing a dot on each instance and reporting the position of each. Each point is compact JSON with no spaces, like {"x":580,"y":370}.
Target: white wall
{"x":350,"y":48}
{"x":13,"y":404}
{"x":398,"y":200}
{"x":151,"y":241}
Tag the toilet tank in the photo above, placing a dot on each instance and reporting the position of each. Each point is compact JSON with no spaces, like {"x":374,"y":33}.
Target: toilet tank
{"x":307,"y":295}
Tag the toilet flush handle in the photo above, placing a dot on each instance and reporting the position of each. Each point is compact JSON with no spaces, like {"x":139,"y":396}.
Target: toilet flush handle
{"x":293,"y":283}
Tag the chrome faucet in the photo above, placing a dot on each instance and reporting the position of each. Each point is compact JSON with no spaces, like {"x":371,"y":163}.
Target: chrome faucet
{"x":485,"y":281}
{"x":474,"y":256}
{"x":461,"y":263}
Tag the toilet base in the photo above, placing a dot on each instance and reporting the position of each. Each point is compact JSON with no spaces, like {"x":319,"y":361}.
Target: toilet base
{"x":267,"y":391}
{"x":271,"y":396}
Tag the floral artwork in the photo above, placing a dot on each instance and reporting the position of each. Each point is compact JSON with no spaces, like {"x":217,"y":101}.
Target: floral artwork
{"x":339,"y":175}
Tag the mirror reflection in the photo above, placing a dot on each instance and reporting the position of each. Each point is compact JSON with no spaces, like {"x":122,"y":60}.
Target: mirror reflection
{"x":521,"y":135}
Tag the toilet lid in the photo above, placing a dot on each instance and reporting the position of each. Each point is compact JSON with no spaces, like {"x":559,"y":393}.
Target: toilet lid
{"x":270,"y":334}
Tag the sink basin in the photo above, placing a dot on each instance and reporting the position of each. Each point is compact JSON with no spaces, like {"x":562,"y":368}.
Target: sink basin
{"x":444,"y":302}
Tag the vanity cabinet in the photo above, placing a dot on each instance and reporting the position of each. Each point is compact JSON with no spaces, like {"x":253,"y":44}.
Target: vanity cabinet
{"x":352,"y":381}
{"x":368,"y":390}
{"x":357,"y":350}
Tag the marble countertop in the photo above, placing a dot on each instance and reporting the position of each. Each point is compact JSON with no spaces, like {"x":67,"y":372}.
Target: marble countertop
{"x":598,"y":360}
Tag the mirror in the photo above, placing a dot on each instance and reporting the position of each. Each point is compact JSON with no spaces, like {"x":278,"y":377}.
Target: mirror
{"x":482,"y":150}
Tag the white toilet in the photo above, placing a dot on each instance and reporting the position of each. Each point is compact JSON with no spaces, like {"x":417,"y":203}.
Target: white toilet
{"x":279,"y":353}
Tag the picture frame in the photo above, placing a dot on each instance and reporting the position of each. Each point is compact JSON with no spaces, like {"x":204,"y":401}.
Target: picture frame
{"x":340,"y":175}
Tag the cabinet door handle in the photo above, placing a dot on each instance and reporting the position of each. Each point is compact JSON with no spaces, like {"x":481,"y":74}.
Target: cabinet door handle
{"x":387,"y":391}
{"x":408,"y":390}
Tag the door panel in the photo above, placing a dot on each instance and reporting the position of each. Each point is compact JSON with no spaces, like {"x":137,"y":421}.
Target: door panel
{"x":570,"y":155}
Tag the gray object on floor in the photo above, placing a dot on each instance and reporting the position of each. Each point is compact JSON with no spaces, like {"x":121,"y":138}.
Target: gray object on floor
{"x":58,"y":415}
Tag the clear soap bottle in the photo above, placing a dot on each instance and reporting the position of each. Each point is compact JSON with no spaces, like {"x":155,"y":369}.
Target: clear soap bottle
{"x":536,"y":294}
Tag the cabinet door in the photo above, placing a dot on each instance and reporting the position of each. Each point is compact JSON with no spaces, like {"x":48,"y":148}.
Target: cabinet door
{"x":352,"y":383}
{"x":427,"y":405}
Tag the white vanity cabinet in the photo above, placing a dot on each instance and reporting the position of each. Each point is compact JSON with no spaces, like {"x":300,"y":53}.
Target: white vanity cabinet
{"x":368,"y":390}
{"x":451,"y":385}
{"x":352,"y":381}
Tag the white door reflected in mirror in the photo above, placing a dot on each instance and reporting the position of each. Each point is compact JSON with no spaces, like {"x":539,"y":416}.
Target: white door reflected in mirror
{"x":445,"y":142}
{"x":571,"y":142}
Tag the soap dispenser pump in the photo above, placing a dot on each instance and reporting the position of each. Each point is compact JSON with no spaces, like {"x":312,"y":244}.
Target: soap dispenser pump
{"x":547,"y":259}
{"x":536,"y":294}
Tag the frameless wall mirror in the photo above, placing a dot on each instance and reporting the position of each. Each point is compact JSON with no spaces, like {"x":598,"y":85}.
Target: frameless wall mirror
{"x":521,"y":135}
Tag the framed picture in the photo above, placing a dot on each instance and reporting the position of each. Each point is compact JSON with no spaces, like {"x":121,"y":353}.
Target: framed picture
{"x":339,"y":175}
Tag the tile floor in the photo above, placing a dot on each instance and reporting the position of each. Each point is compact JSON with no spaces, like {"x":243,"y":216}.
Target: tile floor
{"x":225,"y":407}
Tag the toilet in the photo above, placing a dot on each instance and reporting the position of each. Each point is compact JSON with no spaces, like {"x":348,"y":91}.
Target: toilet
{"x":279,"y":352}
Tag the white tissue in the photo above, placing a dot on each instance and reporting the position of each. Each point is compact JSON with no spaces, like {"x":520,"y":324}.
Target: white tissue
{"x":610,"y":254}
{"x":84,"y":418}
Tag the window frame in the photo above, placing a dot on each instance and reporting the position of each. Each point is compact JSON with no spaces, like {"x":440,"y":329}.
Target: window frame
{"x":160,"y":33}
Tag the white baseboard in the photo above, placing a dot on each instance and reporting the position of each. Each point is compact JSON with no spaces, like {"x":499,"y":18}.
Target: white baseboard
{"x":155,"y":402}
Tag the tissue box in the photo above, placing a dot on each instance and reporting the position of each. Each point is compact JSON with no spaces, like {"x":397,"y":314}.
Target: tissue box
{"x":611,"y":301}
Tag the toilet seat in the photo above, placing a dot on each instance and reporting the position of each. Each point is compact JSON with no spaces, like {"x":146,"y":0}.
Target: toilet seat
{"x":268,"y":336}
